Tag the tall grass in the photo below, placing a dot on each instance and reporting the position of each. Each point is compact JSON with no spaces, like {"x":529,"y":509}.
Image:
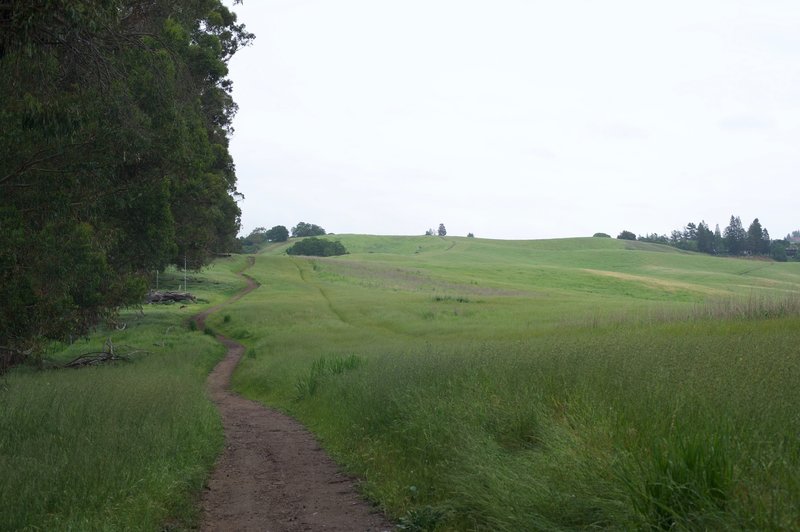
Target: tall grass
{"x":734,"y":307}
{"x":119,"y":447}
{"x":540,"y":386}
{"x":659,"y":427}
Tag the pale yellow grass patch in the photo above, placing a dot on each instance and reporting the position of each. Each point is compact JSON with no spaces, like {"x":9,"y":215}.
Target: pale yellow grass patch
{"x":668,"y":285}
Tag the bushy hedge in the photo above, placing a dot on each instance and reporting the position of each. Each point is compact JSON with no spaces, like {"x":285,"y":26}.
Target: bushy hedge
{"x":317,"y":247}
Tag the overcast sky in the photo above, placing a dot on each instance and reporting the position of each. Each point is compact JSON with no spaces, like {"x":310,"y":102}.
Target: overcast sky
{"x":518,"y":119}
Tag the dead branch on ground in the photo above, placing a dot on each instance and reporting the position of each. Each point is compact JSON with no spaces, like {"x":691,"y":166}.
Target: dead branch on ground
{"x":155,"y":296}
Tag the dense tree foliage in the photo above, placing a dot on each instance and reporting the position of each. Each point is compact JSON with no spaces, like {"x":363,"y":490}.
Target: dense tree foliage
{"x":735,"y":237}
{"x":114,"y":154}
{"x":305,"y":229}
{"x":279,"y":233}
{"x":758,"y":242}
{"x":252,"y":243}
{"x":442,"y":231}
{"x":777,"y":250}
{"x":259,"y":236}
{"x":317,"y":247}
{"x":626,"y":235}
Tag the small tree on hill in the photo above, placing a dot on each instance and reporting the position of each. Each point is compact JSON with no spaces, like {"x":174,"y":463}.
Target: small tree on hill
{"x":279,"y":233}
{"x":626,"y":235}
{"x":305,"y":229}
{"x":442,"y":231}
{"x":601,"y":235}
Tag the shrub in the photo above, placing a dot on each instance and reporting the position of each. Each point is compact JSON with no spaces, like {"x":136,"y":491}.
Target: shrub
{"x":317,"y":247}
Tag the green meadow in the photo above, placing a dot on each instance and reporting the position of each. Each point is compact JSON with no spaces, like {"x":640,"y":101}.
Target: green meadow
{"x":538,"y":385}
{"x":469,"y":384}
{"x":125,"y":446}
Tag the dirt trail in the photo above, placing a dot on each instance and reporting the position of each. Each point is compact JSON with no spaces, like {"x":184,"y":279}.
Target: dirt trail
{"x":273,"y":475}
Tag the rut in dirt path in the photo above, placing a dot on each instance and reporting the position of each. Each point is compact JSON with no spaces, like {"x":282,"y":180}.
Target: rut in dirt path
{"x":272,"y":474}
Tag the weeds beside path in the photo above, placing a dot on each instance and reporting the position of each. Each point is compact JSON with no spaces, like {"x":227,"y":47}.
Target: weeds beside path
{"x":273,"y":475}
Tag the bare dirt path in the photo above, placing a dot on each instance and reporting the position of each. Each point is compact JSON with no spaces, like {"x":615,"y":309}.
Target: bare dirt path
{"x":273,"y":475}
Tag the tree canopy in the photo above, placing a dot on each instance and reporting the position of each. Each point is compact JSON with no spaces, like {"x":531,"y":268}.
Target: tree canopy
{"x":114,"y":156}
{"x":303,"y":229}
{"x":735,"y":236}
{"x":279,"y":233}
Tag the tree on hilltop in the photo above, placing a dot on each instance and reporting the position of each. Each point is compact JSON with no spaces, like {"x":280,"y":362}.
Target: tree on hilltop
{"x":705,"y":238}
{"x":279,"y":233}
{"x":735,"y":236}
{"x":305,"y":229}
{"x":757,"y":239}
{"x":626,"y":235}
{"x":442,"y":231}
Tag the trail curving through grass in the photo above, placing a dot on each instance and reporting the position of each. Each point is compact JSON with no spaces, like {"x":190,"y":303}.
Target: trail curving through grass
{"x":272,"y":474}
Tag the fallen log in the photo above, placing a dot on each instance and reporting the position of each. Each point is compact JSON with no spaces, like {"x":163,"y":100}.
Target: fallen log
{"x":94,"y":359}
{"x":156,"y":296}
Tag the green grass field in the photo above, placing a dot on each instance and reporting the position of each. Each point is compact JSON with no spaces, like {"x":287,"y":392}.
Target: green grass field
{"x":126,"y":446}
{"x":542,"y":385}
{"x":471,"y":384}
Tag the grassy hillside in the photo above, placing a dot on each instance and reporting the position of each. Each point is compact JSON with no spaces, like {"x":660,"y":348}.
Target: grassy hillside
{"x":473,"y":384}
{"x":560,"y":384}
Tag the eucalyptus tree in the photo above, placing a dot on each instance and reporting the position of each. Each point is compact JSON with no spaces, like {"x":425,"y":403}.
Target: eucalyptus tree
{"x":114,"y":156}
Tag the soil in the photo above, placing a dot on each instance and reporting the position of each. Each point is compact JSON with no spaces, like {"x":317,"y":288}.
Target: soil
{"x":272,"y":474}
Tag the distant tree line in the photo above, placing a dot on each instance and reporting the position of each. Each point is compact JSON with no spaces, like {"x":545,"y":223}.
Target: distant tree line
{"x":259,"y":236}
{"x":114,"y":159}
{"x":734,"y":240}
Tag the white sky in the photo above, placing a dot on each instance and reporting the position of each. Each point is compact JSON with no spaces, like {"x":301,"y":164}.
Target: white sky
{"x":518,"y":119}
